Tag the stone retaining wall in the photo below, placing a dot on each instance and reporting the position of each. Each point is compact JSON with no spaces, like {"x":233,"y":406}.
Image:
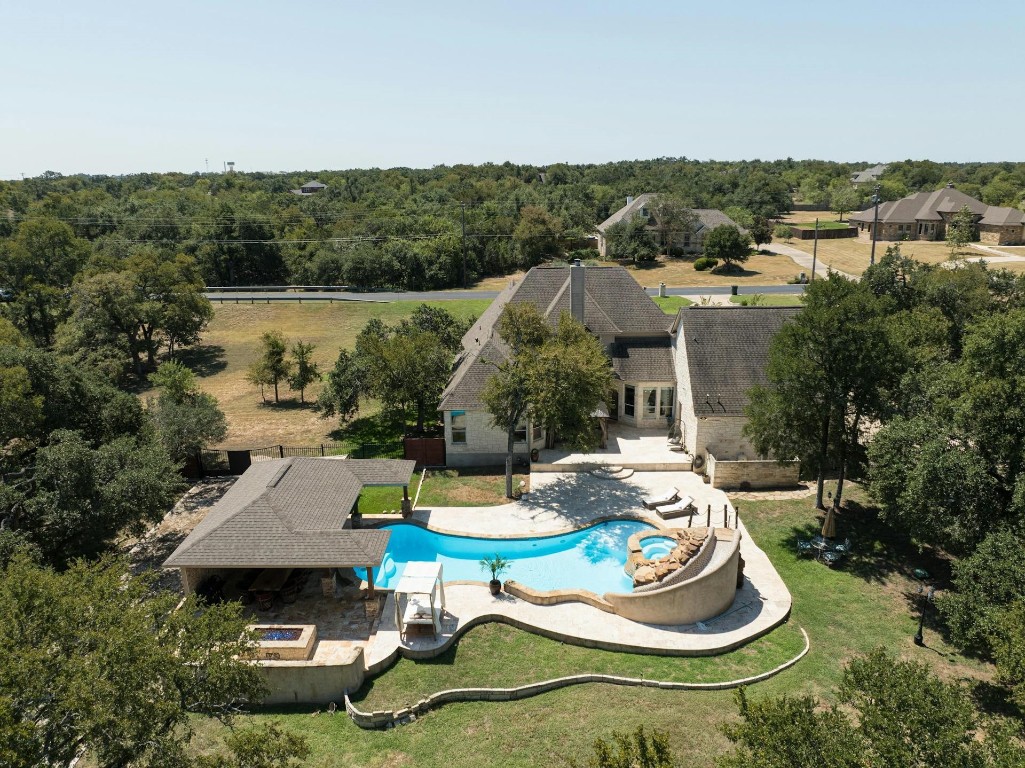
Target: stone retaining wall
{"x":306,"y":682}
{"x":385,"y":718}
{"x":753,"y":473}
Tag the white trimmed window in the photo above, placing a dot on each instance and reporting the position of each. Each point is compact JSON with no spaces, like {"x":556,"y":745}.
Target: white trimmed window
{"x":458,"y":427}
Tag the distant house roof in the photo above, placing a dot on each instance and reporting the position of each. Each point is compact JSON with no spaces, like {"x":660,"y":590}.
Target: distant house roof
{"x":727,"y":353}
{"x":643,"y":359}
{"x":707,"y":218}
{"x":286,"y":513}
{"x":313,"y":184}
{"x":869,"y":175}
{"x":922,"y":206}
{"x":614,"y":305}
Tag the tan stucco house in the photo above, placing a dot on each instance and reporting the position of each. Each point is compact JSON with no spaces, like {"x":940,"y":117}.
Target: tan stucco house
{"x":925,"y":215}
{"x":707,"y":219}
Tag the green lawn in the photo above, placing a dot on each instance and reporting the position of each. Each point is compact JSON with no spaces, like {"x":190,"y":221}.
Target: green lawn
{"x":468,"y":487}
{"x":867,"y":603}
{"x":767,"y":300}
{"x":823,"y":225}
{"x":670,"y":304}
{"x":497,"y":655}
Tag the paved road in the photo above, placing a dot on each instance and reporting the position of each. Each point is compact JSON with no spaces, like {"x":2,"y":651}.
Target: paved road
{"x":255,"y":297}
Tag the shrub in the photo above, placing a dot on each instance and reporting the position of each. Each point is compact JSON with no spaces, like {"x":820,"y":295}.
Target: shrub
{"x":704,"y":263}
{"x":677,"y":251}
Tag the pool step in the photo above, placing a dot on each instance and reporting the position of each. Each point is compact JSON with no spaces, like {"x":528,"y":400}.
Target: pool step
{"x":608,"y":472}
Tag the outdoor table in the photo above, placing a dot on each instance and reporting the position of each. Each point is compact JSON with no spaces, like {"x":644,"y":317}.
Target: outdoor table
{"x":820,"y":545}
{"x":270,"y":580}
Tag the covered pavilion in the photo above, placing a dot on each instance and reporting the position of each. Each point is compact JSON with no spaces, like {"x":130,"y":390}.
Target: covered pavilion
{"x":286,"y":514}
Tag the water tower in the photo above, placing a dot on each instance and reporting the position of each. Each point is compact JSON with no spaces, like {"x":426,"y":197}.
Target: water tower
{"x":231,"y":166}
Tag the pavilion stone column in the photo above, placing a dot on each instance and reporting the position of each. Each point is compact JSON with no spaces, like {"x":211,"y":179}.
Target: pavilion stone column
{"x":370,"y":581}
{"x":407,"y":505}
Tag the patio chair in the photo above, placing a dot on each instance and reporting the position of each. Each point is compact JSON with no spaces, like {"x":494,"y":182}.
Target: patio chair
{"x":844,"y":547}
{"x":668,"y":496}
{"x":832,"y":558}
{"x":684,"y":506}
{"x":804,"y":548}
{"x":264,"y":600}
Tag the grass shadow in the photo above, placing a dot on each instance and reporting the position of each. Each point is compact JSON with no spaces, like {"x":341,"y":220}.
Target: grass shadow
{"x":204,"y":359}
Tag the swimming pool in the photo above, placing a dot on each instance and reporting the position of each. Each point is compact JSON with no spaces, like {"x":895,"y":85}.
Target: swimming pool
{"x":591,"y":558}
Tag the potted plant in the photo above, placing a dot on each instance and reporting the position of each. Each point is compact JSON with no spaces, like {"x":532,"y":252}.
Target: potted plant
{"x":497,"y":565}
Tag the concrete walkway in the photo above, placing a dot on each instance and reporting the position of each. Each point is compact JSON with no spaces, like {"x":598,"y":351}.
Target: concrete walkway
{"x":571,"y":501}
{"x":803,"y":259}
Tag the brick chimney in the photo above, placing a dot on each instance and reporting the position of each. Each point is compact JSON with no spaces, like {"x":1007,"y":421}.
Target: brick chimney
{"x":576,"y":290}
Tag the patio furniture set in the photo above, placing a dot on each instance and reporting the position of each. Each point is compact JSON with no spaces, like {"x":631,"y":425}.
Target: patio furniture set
{"x":827,"y":550}
{"x":264,"y":587}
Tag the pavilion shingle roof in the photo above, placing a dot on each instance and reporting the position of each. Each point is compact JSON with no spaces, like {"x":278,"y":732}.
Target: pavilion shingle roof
{"x":727,"y":353}
{"x":291,"y":513}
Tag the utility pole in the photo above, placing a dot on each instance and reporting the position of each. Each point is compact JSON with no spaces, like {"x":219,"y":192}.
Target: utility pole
{"x":462,"y":220}
{"x":875,"y":226}
{"x":815,"y":250}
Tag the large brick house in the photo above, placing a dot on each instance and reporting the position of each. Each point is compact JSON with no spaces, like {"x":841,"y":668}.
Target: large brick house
{"x":706,"y":219}
{"x":691,"y":371}
{"x":925,"y":215}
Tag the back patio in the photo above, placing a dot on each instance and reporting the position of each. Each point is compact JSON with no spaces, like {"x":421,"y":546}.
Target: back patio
{"x":641,"y":450}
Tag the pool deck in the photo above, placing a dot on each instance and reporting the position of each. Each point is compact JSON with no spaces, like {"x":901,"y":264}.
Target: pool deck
{"x":559,"y":502}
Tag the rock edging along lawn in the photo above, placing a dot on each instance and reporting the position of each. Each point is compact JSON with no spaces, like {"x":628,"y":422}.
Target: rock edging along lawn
{"x":388,"y":718}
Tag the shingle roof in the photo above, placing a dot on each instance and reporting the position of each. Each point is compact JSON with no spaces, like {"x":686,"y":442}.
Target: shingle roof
{"x":869,"y":174}
{"x":727,"y":353}
{"x":709,"y":218}
{"x":643,"y":359}
{"x":314,"y":184}
{"x":999,"y":216}
{"x":922,"y":206}
{"x":291,"y":513}
{"x":614,"y":305}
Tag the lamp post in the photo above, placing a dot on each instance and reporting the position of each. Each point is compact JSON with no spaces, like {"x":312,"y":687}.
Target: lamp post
{"x":919,"y":637}
{"x":875,"y":226}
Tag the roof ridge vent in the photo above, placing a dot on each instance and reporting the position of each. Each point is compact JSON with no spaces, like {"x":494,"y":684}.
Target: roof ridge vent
{"x":282,"y":470}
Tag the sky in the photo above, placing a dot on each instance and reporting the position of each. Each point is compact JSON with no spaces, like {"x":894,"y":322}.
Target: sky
{"x":114,"y":87}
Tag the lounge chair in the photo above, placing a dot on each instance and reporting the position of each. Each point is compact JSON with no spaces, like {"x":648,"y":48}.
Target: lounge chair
{"x":805,"y":548}
{"x":684,"y":506}
{"x":668,"y":496}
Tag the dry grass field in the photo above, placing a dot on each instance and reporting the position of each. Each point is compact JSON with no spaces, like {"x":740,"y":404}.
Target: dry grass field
{"x":680,"y":273}
{"x":232,"y":342}
{"x":851,"y":255}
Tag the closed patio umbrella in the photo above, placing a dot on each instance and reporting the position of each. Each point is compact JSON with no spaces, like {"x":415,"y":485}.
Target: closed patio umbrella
{"x":829,"y":525}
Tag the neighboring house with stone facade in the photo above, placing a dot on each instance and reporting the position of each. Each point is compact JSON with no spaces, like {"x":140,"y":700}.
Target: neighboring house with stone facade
{"x":719,"y":354}
{"x":706,"y":219}
{"x":612,"y":306}
{"x":925,"y":215}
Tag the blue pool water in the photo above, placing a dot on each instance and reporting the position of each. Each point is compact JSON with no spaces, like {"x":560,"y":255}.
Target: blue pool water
{"x":591,"y":559}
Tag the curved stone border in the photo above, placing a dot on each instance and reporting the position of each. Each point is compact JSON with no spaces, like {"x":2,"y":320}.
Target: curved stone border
{"x":389,"y":718}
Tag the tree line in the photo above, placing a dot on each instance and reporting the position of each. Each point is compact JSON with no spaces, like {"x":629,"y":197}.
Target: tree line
{"x":912,"y":381}
{"x":418,"y":229}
